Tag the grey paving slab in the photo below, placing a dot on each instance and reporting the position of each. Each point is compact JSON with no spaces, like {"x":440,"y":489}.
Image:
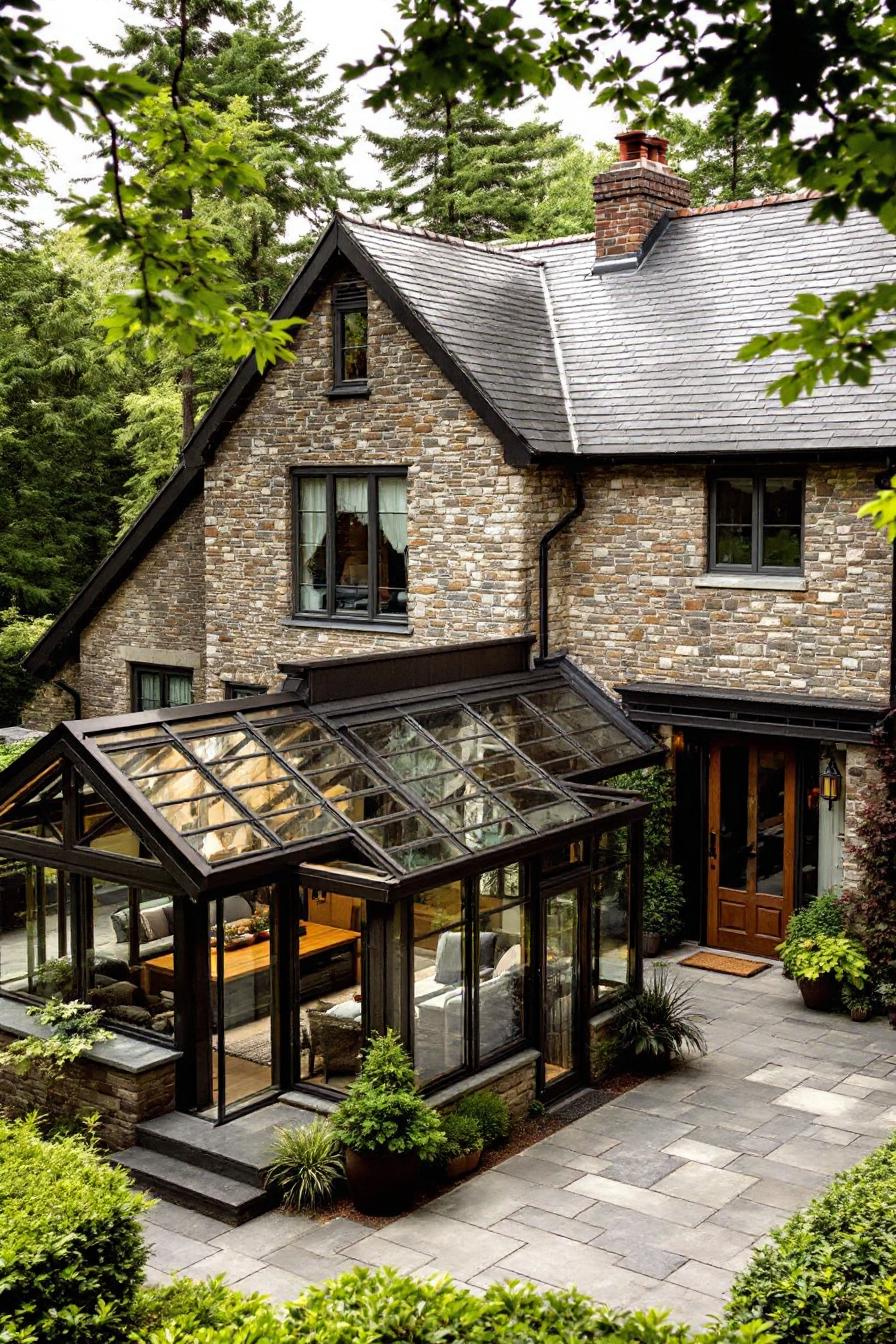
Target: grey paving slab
{"x":277,"y":1284}
{"x":710,"y":1185}
{"x":263,"y":1235}
{"x":185,"y":1221}
{"x":531,"y":1167}
{"x":529,"y":1217}
{"x":652,"y":1261}
{"x":331,"y":1237}
{"x":564,"y":1264}
{"x":704,"y":1278}
{"x":638,"y":1165}
{"x":298,"y":1259}
{"x":458,"y":1248}
{"x":693,"y":1150}
{"x":657,"y":1204}
{"x":377,"y":1251}
{"x":764,"y":1168}
{"x":744,"y":1216}
{"x":492,"y":1196}
{"x":171,"y":1251}
{"x":230,"y":1266}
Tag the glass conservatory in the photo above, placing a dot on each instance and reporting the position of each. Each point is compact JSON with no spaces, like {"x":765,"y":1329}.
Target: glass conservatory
{"x":263,"y":883}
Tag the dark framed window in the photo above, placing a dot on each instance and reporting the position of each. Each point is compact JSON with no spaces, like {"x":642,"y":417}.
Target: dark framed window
{"x":161,"y":687}
{"x":756,"y":523}
{"x":352,"y":545}
{"x":242,"y":690}
{"x":350,"y":338}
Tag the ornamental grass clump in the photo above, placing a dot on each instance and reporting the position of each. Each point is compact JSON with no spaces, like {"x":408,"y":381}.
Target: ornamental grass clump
{"x":658,"y":1025}
{"x":307,"y":1166}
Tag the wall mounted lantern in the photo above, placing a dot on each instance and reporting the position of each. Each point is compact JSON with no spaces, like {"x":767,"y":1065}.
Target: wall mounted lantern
{"x":831,"y":783}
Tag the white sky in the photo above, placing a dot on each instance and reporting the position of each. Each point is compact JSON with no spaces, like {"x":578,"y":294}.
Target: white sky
{"x":348,"y":29}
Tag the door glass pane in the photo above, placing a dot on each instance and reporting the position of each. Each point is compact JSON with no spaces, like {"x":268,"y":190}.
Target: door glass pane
{"x":392,"y":546}
{"x":734,"y":784}
{"x":770,"y":822}
{"x":610,"y":920}
{"x":561,"y":924}
{"x":312,"y":558}
{"x":503,"y":962}
{"x":331,"y":988}
{"x":241,"y":1002}
{"x":131,"y":971}
{"x":351,"y":544}
{"x":439,"y":990}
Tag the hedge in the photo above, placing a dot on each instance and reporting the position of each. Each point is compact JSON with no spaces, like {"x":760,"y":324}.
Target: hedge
{"x":382,"y":1307}
{"x":829,"y":1273}
{"x":71,"y":1248}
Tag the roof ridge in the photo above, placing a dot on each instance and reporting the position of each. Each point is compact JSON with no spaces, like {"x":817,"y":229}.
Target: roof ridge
{"x":494,"y":249}
{"x":549,"y":242}
{"x":751,"y":203}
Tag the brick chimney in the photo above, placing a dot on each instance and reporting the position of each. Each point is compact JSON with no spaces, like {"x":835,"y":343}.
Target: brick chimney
{"x":633,"y":196}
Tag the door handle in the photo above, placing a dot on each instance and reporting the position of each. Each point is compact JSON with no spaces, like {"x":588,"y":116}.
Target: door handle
{"x":712,"y":844}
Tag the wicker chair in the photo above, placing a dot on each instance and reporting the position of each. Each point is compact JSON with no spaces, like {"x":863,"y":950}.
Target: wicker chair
{"x":337,"y":1040}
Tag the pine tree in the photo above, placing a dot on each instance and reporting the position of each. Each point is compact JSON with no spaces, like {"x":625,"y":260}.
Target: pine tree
{"x":456,"y":167}
{"x":566,"y":205}
{"x":727,"y":157}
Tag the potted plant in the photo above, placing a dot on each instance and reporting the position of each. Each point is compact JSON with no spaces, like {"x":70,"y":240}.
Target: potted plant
{"x":307,"y":1166}
{"x":658,"y":1025}
{"x":822,"y":964}
{"x":663,"y":907}
{"x":825,"y":914}
{"x":261,"y":923}
{"x":461,"y":1149}
{"x":885,"y":993}
{"x":386,"y":1128}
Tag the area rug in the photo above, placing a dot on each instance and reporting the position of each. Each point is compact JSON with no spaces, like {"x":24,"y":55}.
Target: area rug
{"x":256,"y":1049}
{"x":715,"y":961}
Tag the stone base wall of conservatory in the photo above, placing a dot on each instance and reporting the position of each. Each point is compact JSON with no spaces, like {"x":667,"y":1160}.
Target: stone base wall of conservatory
{"x":514,"y":1079}
{"x":122,"y":1082}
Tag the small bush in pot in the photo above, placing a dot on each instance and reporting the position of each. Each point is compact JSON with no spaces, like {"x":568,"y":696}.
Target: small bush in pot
{"x":387,"y":1129}
{"x":307,"y":1166}
{"x":820,"y":965}
{"x":885,"y":994}
{"x":658,"y":1025}
{"x":491,"y":1115}
{"x":461,"y":1150}
{"x":824,"y":915}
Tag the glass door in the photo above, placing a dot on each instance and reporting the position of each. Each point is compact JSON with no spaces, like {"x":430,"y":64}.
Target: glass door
{"x":561,"y":1018}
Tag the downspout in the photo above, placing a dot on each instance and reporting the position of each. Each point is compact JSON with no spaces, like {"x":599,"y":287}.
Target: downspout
{"x":75,"y":695}
{"x":543,"y":548}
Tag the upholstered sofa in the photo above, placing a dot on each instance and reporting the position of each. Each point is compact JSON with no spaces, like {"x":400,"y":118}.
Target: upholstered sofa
{"x":439,"y":1007}
{"x":157,"y":923}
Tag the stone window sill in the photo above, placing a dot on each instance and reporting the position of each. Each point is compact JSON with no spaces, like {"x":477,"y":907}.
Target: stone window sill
{"x":341,"y":390}
{"x":767,"y":583}
{"x":361,"y":627}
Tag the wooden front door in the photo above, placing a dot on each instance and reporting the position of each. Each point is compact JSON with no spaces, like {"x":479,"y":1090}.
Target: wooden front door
{"x":752,"y":809}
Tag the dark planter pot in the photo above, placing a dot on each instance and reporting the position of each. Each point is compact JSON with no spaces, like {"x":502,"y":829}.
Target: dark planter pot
{"x":651,"y":943}
{"x":891,"y":1014}
{"x":382,"y":1182}
{"x":860,"y":1014}
{"x":650,"y":1064}
{"x":462,"y":1165}
{"x":820,"y":994}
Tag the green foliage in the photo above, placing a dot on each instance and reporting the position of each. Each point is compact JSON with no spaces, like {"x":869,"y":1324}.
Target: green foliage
{"x":564,"y":203}
{"x":489,"y":1112}
{"x":824,"y":915}
{"x":827,"y":1274}
{"x":830,"y":954}
{"x":74,"y":1029}
{"x":187,"y":1312}
{"x":71,"y":1249}
{"x":663,"y":905}
{"x":659,"y":1024}
{"x":150,"y":439}
{"x":870,"y":905}
{"x":17,"y":635}
{"x":728,"y":156}
{"x":382,"y":1111}
{"x":307,"y":1166}
{"x":460,"y":1135}
{"x":458,"y":168}
{"x":11,"y":751}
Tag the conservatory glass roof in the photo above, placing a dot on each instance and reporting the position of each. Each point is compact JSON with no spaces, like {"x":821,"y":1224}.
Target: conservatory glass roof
{"x":434,"y":780}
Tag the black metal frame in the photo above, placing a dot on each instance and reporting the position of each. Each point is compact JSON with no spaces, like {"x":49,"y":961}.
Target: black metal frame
{"x":164,"y":671}
{"x":331,"y":612}
{"x":348,"y":297}
{"x":758,"y":476}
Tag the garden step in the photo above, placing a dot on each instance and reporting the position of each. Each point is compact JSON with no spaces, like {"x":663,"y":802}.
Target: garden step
{"x":240,"y":1149}
{"x":232,"y":1201}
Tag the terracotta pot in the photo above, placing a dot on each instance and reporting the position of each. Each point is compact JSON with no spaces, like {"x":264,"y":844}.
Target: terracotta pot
{"x":382,"y":1182}
{"x":463,"y":1164}
{"x":651,"y":944}
{"x":819,"y":994}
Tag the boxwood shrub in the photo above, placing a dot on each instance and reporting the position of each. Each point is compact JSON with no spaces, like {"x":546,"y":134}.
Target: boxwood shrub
{"x":829,"y":1273}
{"x":383,"y":1307}
{"x":71,"y":1247}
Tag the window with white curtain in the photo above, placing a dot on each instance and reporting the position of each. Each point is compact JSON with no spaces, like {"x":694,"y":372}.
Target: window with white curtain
{"x":352,"y":545}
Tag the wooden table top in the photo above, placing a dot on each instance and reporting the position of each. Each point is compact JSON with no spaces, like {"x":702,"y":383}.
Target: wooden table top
{"x":257,"y":956}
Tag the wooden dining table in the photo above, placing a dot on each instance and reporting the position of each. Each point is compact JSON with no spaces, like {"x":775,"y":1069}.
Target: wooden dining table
{"x":239,"y":962}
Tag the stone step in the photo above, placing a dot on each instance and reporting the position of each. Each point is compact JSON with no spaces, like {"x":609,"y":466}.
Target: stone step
{"x":242,"y":1149}
{"x":233,"y":1202}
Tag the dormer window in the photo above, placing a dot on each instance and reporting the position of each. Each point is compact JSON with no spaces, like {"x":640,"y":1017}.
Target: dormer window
{"x":349,"y":340}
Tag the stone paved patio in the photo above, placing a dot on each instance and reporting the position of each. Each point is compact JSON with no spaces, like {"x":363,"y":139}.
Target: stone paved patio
{"x":655,"y":1200}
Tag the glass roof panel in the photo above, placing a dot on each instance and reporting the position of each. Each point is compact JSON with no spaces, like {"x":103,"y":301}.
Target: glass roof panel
{"x":515,"y":720}
{"x":399,"y":831}
{"x":174,"y":787}
{"x":343,"y":779}
{"x":142,"y":760}
{"x":495,"y":833}
{"x":451,"y":724}
{"x":471,"y":812}
{"x":306,"y":823}
{"x":501,"y":770}
{"x":227,"y":842}
{"x":419,"y":764}
{"x":561,"y":813}
{"x":282,"y":796}
{"x":425,"y":855}
{"x":320,"y":756}
{"x":556,"y":698}
{"x":247,"y":770}
{"x":214,"y":747}
{"x":370,"y":806}
{"x":298,"y":733}
{"x":198,"y":814}
{"x":394,"y":735}
{"x":446,"y":787}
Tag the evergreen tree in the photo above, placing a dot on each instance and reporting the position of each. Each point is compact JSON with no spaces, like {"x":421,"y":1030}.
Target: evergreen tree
{"x":566,"y":205}
{"x":457,"y":167}
{"x":727,"y":157}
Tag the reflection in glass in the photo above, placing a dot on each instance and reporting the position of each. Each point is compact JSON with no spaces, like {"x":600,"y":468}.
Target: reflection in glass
{"x":392,"y":545}
{"x":149,"y":760}
{"x":425,"y":855}
{"x":304,"y":824}
{"x":561,"y":926}
{"x":242,"y":1055}
{"x":734,"y":521}
{"x":229,"y":842}
{"x":199,"y":813}
{"x":277,"y":797}
{"x":610,"y":916}
{"x":782,"y":515}
{"x":734,"y":846}
{"x":131,"y":961}
{"x":352,"y":554}
{"x":401,"y":831}
{"x":503,"y":971}
{"x":439,"y":952}
{"x":35,"y":945}
{"x":312,"y":561}
{"x":332,"y":991}
{"x":770,"y":822}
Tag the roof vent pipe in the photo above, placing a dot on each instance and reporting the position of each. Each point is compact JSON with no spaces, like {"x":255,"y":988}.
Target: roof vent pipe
{"x":543,"y":549}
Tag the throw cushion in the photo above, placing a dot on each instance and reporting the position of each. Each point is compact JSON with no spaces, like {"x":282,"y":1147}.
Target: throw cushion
{"x":235,"y":907}
{"x":511,"y":958}
{"x":116,"y":995}
{"x":487,"y":946}
{"x":449,"y":955}
{"x":154,"y":923}
{"x":348,"y":1011}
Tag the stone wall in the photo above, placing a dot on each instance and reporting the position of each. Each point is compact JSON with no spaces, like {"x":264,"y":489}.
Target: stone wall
{"x":637,"y":608}
{"x":156,"y":616}
{"x":858,"y":787}
{"x":50,"y":704}
{"x":120,"y":1099}
{"x":515,"y":1085}
{"x":473,"y":522}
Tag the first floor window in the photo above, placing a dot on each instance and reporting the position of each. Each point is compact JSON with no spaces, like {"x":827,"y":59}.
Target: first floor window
{"x":352,"y":545}
{"x":161,"y":687}
{"x":242,"y":690}
{"x":756,"y":523}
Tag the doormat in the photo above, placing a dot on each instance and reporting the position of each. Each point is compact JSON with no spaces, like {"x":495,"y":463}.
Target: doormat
{"x":714,"y":961}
